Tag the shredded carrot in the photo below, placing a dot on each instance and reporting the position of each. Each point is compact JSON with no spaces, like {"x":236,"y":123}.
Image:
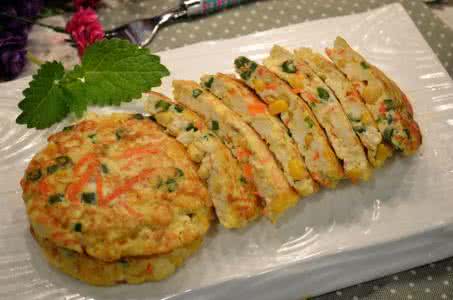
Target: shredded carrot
{"x":316,"y":156}
{"x":353,"y":93}
{"x":141,"y":150}
{"x":128,"y":185}
{"x":85,"y":159}
{"x":382,"y":109}
{"x":329,"y":52}
{"x":271,"y":86}
{"x":242,"y":153}
{"x":248,"y":170}
{"x":149,"y":268}
{"x":199,"y":124}
{"x":43,"y":187}
{"x":74,"y":188}
{"x":256,"y":108}
{"x":298,"y":91}
{"x":310,"y":97}
{"x":340,"y":51}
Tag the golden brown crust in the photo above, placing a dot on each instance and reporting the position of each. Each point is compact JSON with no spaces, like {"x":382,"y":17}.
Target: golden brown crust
{"x":115,"y":186}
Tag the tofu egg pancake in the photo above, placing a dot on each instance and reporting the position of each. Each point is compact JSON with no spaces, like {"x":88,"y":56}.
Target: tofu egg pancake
{"x":258,"y":163}
{"x":325,"y":107}
{"x":361,"y":119}
{"x":390,"y":107}
{"x":232,"y":194}
{"x":311,"y":140}
{"x":115,"y":186}
{"x":239,"y":98}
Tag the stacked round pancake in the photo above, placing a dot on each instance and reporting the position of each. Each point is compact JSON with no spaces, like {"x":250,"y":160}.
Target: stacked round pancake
{"x":114,"y":199}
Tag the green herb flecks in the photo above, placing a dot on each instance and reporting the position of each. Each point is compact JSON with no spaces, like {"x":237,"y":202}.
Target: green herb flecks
{"x":104,"y":169}
{"x":215,"y":125}
{"x":89,"y":198}
{"x":191,"y":127}
{"x":245,"y":67}
{"x":387,"y":135}
{"x":309,"y":122}
{"x":55,"y":198}
{"x":120,"y":133}
{"x":364,"y":65}
{"x":179,"y":108}
{"x":289,"y":66}
{"x":323,"y":93}
{"x":64,"y":161}
{"x":162,"y":105}
{"x":171,"y":184}
{"x":179,"y":172}
{"x":34,"y":175}
{"x":52,"y":169}
{"x":68,"y":128}
{"x":138,"y":116}
{"x":243,"y":180}
{"x":208,"y":83}
{"x":92,"y":137}
{"x":359,"y":129}
{"x":196,"y":93}
{"x":389,"y":104}
{"x":78,"y":227}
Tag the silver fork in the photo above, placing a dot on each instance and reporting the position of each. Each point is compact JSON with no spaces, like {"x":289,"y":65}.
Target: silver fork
{"x":142,"y":32}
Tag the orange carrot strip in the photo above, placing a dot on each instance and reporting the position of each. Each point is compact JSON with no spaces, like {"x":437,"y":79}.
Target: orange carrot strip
{"x":271,"y":86}
{"x":130,"y":210}
{"x":138,"y":151}
{"x":248,"y":170}
{"x":310,"y":97}
{"x":85,"y":159}
{"x":99,"y":186}
{"x":316,"y":156}
{"x":199,"y":124}
{"x":128,"y":185}
{"x":44,"y":188}
{"x":149,"y":268}
{"x":242,"y":153}
{"x":256,"y":108}
{"x":329,"y":52}
{"x":298,"y":91}
{"x":76,"y":187}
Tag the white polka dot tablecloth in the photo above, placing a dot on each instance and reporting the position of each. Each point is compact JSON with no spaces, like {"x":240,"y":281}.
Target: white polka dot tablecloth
{"x":434,"y":281}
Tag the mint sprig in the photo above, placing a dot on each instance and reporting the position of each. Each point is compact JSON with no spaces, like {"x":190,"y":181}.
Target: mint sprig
{"x":111,"y":72}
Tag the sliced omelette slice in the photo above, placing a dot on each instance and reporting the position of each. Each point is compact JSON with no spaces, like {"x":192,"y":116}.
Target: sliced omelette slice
{"x":326,"y":108}
{"x":258,"y":163}
{"x":358,"y":114}
{"x":389,"y":105}
{"x":232,"y":195}
{"x":311,"y":140}
{"x":239,"y":98}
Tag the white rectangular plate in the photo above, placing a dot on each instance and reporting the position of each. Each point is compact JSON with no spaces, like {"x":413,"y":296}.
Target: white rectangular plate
{"x":402,"y":218}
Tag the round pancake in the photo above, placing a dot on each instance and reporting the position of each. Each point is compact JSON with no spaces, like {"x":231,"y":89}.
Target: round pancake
{"x":127,"y":270}
{"x":115,"y":186}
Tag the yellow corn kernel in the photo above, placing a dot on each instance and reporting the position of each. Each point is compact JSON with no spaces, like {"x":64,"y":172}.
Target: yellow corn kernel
{"x":383,"y":152}
{"x":195,"y":153}
{"x":296,"y":82}
{"x":296,"y":169}
{"x":278,"y":106}
{"x":308,"y":140}
{"x":164,"y":118}
{"x":366,"y":118}
{"x":372,"y":92}
{"x":259,"y":85}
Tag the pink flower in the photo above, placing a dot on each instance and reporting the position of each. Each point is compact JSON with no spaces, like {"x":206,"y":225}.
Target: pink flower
{"x":85,"y":29}
{"x":85,"y":3}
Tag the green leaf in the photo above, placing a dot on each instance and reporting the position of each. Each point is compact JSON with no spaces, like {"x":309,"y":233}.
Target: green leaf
{"x":44,"y":102}
{"x":115,"y":71}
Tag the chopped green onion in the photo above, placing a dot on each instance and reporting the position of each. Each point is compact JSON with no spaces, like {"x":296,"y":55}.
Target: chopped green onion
{"x":241,"y":61}
{"x":353,"y":119}
{"x":34,"y":175}
{"x":104,"y":169}
{"x":407,"y":132}
{"x":68,"y":128}
{"x":179,"y":108}
{"x":359,"y":129}
{"x":52,"y":169}
{"x":387,"y":135}
{"x":364,"y":65}
{"x":323,"y":93}
{"x":308,"y":122}
{"x":89,"y":198}
{"x":245,"y":66}
{"x":92,"y":137}
{"x":55,"y":198}
{"x":389,"y":104}
{"x":191,"y":127}
{"x":63,"y":161}
{"x":164,"y":105}
{"x":179,"y":172}
{"x":289,"y":66}
{"x":78,"y":227}
{"x":208,"y":83}
{"x":138,"y":116}
{"x":243,"y":180}
{"x":196,"y":93}
{"x":160,"y":182}
{"x":215,"y":125}
{"x":120,"y":133}
{"x":171,"y":185}
{"x":389,"y":118}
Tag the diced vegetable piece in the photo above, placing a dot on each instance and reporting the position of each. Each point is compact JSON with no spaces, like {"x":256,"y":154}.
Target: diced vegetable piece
{"x":55,"y":198}
{"x":323,"y":93}
{"x":179,"y":108}
{"x":104,"y":169}
{"x":68,"y":128}
{"x":277,"y":107}
{"x":308,"y":122}
{"x":163,"y":105}
{"x":389,"y":104}
{"x":120,"y":133}
{"x":78,"y":227}
{"x":196,"y":93}
{"x":243,"y":180}
{"x":289,"y":66}
{"x":214,"y":125}
{"x":52,"y":169}
{"x":164,"y":118}
{"x":364,"y":65}
{"x":179,"y":172}
{"x":191,"y":127}
{"x":89,"y":198}
{"x":138,"y":116}
{"x":209,"y":82}
{"x":387,"y":136}
{"x":92,"y":137}
{"x":34,"y":175}
{"x":171,"y":185}
{"x":296,"y":169}
{"x":359,"y":129}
